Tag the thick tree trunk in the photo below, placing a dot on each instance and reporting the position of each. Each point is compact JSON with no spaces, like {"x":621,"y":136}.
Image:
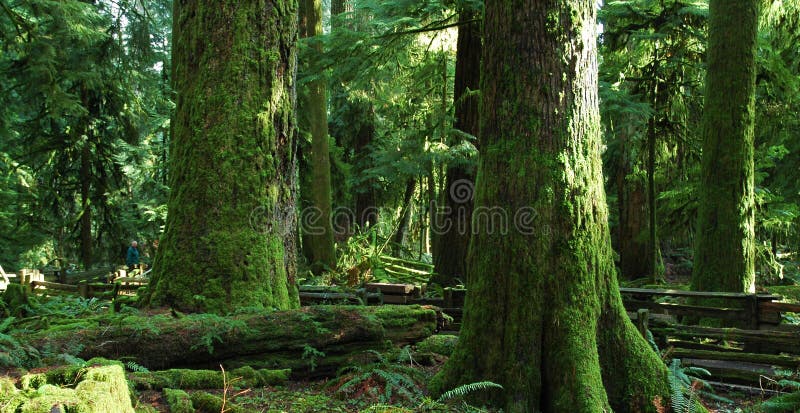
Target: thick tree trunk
{"x":725,"y":244}
{"x":316,"y":226}
{"x":231,"y":230}
{"x":263,"y":340}
{"x":543,"y":316}
{"x":452,"y":224}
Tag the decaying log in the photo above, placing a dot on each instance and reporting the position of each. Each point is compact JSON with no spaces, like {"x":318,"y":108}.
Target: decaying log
{"x":313,"y":340}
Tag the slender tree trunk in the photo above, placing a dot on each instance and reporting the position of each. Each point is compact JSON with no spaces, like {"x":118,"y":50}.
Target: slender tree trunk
{"x":633,"y":214}
{"x":405,"y":216}
{"x":543,"y":316}
{"x":654,"y":252}
{"x":86,"y":207}
{"x":231,"y":230}
{"x":316,"y":228}
{"x":341,"y":6}
{"x":366,"y":197}
{"x":453,"y":221}
{"x":725,"y":240}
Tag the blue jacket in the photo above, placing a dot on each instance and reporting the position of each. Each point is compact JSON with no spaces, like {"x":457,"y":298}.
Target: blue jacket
{"x":133,"y":256}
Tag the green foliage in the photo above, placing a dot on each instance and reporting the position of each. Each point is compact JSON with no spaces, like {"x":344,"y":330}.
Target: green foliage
{"x":311,"y":354}
{"x":465,"y":389}
{"x":686,"y":388}
{"x":85,"y":107}
{"x":380,"y":382}
{"x":136,"y":367}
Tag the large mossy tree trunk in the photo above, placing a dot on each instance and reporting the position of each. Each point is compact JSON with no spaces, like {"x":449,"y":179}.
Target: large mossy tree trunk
{"x":317,"y":227}
{"x":725,"y":241}
{"x":452,"y":224}
{"x":230,"y":234}
{"x":543,"y":316}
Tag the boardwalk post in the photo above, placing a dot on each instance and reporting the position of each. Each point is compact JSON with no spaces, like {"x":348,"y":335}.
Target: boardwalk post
{"x":753,"y":310}
{"x":642,"y":317}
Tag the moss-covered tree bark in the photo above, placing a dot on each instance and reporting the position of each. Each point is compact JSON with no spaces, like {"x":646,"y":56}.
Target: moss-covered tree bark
{"x":316,"y":228}
{"x":454,"y":220}
{"x":543,"y":316}
{"x":230,"y":233}
{"x":725,"y":240}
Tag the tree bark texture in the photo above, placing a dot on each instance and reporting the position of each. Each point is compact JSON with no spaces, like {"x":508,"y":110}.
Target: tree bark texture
{"x":231,"y":230}
{"x":543,"y":316}
{"x":725,"y":236}
{"x":316,"y":225}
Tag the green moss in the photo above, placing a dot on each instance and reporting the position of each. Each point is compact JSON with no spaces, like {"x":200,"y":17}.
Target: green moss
{"x":32,"y":381}
{"x":230,"y":210}
{"x":439,"y":344}
{"x":97,"y":390}
{"x":208,"y":403}
{"x":187,"y":379}
{"x":104,"y":389}
{"x":49,"y":395}
{"x":179,"y":401}
{"x":259,"y":378}
{"x":145,"y":408}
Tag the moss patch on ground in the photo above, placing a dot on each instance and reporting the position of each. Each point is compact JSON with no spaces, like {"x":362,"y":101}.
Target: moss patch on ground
{"x":438,"y":344}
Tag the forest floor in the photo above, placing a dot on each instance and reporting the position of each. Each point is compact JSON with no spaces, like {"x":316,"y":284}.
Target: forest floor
{"x":393,"y":381}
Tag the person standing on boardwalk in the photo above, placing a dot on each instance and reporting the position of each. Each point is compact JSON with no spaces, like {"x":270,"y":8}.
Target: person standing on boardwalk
{"x":132,"y":258}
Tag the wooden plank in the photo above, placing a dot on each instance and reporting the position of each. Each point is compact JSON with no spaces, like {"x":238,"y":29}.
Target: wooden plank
{"x":408,"y":262}
{"x":407,"y":276}
{"x":675,"y":309}
{"x":754,"y":341}
{"x":395,"y":299}
{"x":4,"y":276}
{"x":387,"y":288}
{"x":769,"y":359}
{"x":676,"y":343}
{"x":400,"y":268}
{"x":730,"y":372}
{"x":779,"y":307}
{"x":132,"y":280}
{"x":46,"y":285}
{"x":438,"y":302}
{"x":697,"y":294}
{"x":308,"y":296}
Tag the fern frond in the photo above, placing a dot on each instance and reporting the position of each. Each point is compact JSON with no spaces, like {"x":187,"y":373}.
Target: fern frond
{"x":465,"y":389}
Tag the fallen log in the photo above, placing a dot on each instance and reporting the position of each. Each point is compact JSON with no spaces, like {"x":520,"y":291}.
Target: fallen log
{"x":311,"y":340}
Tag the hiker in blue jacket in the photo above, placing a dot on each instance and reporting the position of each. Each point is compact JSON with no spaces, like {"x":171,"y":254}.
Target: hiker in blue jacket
{"x":132,"y":259}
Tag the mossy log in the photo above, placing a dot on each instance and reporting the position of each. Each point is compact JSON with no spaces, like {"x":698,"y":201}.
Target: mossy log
{"x":187,"y":379}
{"x":95,"y":389}
{"x":314,"y":340}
